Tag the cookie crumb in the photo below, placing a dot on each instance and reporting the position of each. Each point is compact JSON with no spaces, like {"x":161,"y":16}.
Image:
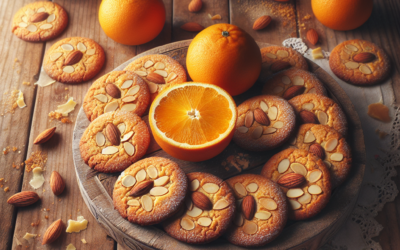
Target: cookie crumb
{"x":6,"y":189}
{"x":37,"y":159}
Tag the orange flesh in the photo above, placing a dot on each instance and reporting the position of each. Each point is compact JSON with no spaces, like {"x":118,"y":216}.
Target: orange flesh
{"x":211,"y":120}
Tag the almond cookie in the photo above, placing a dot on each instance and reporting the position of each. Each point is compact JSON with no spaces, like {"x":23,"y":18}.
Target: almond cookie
{"x":158,"y":71}
{"x":150,"y":191}
{"x":74,"y":60}
{"x":330,"y":146}
{"x":304,"y":179}
{"x":117,"y":90}
{"x":39,"y":21}
{"x":261,"y":212}
{"x":277,"y":58}
{"x":293,"y":82}
{"x":113,"y":141}
{"x":313,"y":108}
{"x":209,"y":210}
{"x":264,"y":122}
{"x":360,"y":62}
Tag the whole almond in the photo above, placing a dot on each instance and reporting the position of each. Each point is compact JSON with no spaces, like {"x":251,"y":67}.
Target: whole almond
{"x":141,"y":188}
{"x":113,"y":134}
{"x":262,"y":22}
{"x":317,"y":150}
{"x":23,"y":199}
{"x":293,"y":91}
{"x":113,"y":91}
{"x":312,"y":36}
{"x":45,"y":136}
{"x":156,"y":78}
{"x":53,"y":232}
{"x":279,"y":65}
{"x":364,"y":57}
{"x":73,"y":57}
{"x":261,"y":117}
{"x":195,"y":5}
{"x":57,"y":183}
{"x":248,"y":207}
{"x":291,"y":180}
{"x":38,"y":17}
{"x":308,"y":117}
{"x":201,"y":201}
{"x":192,"y":27}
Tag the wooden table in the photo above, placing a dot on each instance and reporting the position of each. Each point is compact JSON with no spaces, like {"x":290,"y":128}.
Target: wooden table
{"x":21,"y":61}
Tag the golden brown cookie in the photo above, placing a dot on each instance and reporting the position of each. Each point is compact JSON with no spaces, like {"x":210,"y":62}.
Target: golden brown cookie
{"x":158,"y":71}
{"x":150,"y":191}
{"x":261,"y":212}
{"x":39,"y":21}
{"x":293,"y":82}
{"x":114,"y":140}
{"x":117,"y":90}
{"x":74,"y":60}
{"x":304,"y":179}
{"x":360,"y":62}
{"x":264,"y":122}
{"x":277,"y":58}
{"x":209,"y":210}
{"x":313,"y":108}
{"x":330,"y":146}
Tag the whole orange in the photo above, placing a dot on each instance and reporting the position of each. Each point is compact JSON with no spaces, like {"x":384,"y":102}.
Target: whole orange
{"x":224,"y":55}
{"x":342,"y":14}
{"x":132,"y":22}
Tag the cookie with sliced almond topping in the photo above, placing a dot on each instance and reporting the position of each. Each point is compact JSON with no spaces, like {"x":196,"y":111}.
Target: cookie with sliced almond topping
{"x":261,"y":213}
{"x":114,"y":140}
{"x":360,"y":62}
{"x":264,"y":122}
{"x":336,"y":152}
{"x":150,"y":191}
{"x":304,"y":179}
{"x":39,"y":21}
{"x":158,"y":71}
{"x":74,"y":60}
{"x":293,"y":82}
{"x":318,"y":109}
{"x":209,"y":210}
{"x":117,"y":90}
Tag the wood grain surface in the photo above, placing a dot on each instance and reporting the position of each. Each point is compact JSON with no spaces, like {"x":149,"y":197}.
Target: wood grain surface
{"x":20,"y":128}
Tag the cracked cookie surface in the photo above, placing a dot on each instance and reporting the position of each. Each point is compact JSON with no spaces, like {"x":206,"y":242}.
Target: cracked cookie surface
{"x":150,"y":191}
{"x":74,"y":60}
{"x":209,"y":209}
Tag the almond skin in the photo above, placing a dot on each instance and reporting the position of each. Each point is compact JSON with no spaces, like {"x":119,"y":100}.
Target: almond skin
{"x":201,"y":201}
{"x":248,"y":207}
{"x":73,"y":57}
{"x":280,"y":65}
{"x":113,"y":91}
{"x":262,"y":22}
{"x":317,"y":150}
{"x":156,"y":78}
{"x":195,"y":5}
{"x":53,"y":232}
{"x":293,"y":91}
{"x":23,"y":199}
{"x":57,"y":183}
{"x":364,"y":57}
{"x":308,"y":117}
{"x":312,"y":36}
{"x":261,"y":117}
{"x":38,"y":17}
{"x":45,"y":136}
{"x":291,"y":180}
{"x":113,"y":134}
{"x":141,"y":188}
{"x":192,"y":27}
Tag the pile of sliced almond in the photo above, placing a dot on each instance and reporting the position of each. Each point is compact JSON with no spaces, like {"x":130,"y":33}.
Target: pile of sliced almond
{"x":33,"y":21}
{"x":115,"y":135}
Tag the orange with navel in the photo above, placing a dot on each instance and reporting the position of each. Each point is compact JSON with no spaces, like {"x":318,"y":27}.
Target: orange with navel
{"x":193,"y":121}
{"x":224,"y":55}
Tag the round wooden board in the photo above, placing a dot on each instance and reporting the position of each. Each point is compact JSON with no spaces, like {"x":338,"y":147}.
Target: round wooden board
{"x":96,"y":188}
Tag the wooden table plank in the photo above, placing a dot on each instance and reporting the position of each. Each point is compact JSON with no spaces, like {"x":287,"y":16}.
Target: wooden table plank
{"x":20,"y":62}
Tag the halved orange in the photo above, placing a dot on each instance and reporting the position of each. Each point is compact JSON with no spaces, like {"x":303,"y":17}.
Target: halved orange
{"x":193,"y":121}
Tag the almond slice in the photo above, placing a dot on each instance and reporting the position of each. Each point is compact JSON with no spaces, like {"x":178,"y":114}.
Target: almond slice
{"x":283,"y":166}
{"x":337,"y":157}
{"x":307,"y":106}
{"x":240,"y":189}
{"x":81,"y":47}
{"x":331,"y":144}
{"x":351,"y":65}
{"x":294,"y":204}
{"x":268,"y":131}
{"x":127,"y":84}
{"x":194,"y":185}
{"x":158,"y":191}
{"x":46,"y":26}
{"x":129,"y":148}
{"x":268,"y":203}
{"x":263,"y":215}
{"x":210,"y":188}
{"x":101,"y":98}
{"x":250,"y":228}
{"x":67,"y":47}
{"x":147,"y":203}
{"x":189,"y":204}
{"x":278,"y":124}
{"x":25,"y":19}
{"x":121,"y":127}
{"x":252,"y":187}
{"x":51,"y":18}
{"x":221,"y":204}
{"x":133,"y":203}
{"x":278,"y":89}
{"x":128,"y":181}
{"x":257,"y":132}
{"x":322,"y":117}
{"x":249,"y":119}
{"x":162,"y":73}
{"x":112,"y":106}
{"x":140,"y":72}
{"x":152,"y":172}
{"x":238,"y":219}
{"x":298,"y":81}
{"x":243,"y":129}
{"x":55,"y":56}
{"x":305,"y":199}
{"x":314,"y":189}
{"x":22,"y":25}
{"x":127,"y":136}
{"x":294,"y":192}
{"x":286,"y":80}
{"x":69,"y":69}
{"x":351,"y":47}
{"x":187,"y":224}
{"x":264,"y":106}
{"x":365,"y":69}
{"x":314,"y":176}
{"x":109,"y":150}
{"x":204,"y":221}
{"x":90,"y":52}
{"x":309,"y":137}
{"x":31,"y":28}
{"x":129,"y":99}
{"x":270,"y":55}
{"x":41,"y":9}
{"x":134,"y":90}
{"x":282,"y":53}
{"x":299,"y":168}
{"x":148,"y":64}
{"x":159,"y":65}
{"x":152,"y":87}
{"x":100,"y":139}
{"x":162,"y":181}
{"x":171,"y":76}
{"x":273,"y":113}
{"x":194,"y":212}
{"x":129,"y":107}
{"x":141,"y":175}
{"x":312,"y":91}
